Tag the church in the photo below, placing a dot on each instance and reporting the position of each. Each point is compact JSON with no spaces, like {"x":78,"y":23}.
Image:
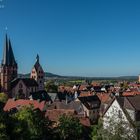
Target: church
{"x":14,"y":86}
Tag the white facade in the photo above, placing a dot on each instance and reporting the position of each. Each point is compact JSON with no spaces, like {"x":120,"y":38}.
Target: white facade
{"x":115,"y":116}
{"x":139,"y":78}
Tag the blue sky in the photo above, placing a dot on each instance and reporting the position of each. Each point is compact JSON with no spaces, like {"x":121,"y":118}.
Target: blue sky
{"x":74,"y":37}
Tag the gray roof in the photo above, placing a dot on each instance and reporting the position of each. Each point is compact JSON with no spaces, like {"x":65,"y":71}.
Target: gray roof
{"x":53,"y":96}
{"x":37,"y":63}
{"x":75,"y":105}
{"x":135,"y":101}
{"x":29,"y":82}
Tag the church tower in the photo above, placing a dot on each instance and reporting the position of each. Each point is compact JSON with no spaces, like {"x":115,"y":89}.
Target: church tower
{"x":8,"y":67}
{"x":38,"y":74}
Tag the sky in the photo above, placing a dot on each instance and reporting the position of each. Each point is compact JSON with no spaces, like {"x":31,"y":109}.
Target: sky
{"x":98,"y":38}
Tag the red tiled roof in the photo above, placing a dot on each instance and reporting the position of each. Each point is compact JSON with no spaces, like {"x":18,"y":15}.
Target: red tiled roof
{"x":65,"y":88}
{"x":21,"y":102}
{"x":86,"y":93}
{"x":95,"y":84}
{"x":85,"y":121}
{"x":131,"y":93}
{"x":83,"y":87}
{"x":134,"y":85}
{"x":104,"y":97}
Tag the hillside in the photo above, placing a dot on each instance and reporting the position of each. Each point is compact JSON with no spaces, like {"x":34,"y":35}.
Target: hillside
{"x":55,"y":76}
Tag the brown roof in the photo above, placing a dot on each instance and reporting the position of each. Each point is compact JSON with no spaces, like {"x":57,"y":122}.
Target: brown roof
{"x":86,"y":93}
{"x":83,"y":87}
{"x":85,"y":121}
{"x":21,"y":102}
{"x":65,"y":89}
{"x":131,"y":93}
{"x":54,"y":114}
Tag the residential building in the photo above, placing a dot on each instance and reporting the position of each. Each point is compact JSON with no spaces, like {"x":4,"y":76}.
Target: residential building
{"x":124,"y":112}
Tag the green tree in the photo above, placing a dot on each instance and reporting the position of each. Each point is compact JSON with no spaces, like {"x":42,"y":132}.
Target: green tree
{"x":116,"y":127}
{"x":69,"y":128}
{"x":51,"y":87}
{"x":96,"y":131}
{"x":3,"y":126}
{"x":29,"y":124}
{"x":3,"y":97}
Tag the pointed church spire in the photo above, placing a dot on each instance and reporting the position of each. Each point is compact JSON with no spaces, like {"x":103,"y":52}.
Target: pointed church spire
{"x":37,"y":58}
{"x":8,"y":55}
{"x":11,"y":55}
{"x":5,"y":60}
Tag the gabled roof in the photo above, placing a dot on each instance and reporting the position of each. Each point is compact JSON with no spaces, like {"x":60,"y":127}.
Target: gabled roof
{"x":76,"y":105}
{"x":41,"y":95}
{"x":11,"y":104}
{"x":121,"y":102}
{"x":90,"y":102}
{"x":135,"y":101}
{"x":8,"y":55}
{"x":29,"y":82}
{"x":104,"y":97}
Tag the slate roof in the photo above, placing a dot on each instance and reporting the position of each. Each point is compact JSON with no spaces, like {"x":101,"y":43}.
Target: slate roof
{"x":8,"y":55}
{"x":41,"y":95}
{"x":90,"y":102}
{"x":37,"y":64}
{"x":135,"y":101}
{"x":73,"y":105}
{"x":27,"y":81}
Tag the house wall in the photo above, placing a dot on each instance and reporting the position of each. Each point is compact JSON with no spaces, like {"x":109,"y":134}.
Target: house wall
{"x":115,"y":116}
{"x":25,"y":90}
{"x":92,"y":114}
{"x":131,"y":114}
{"x":38,"y":75}
{"x":18,"y":87}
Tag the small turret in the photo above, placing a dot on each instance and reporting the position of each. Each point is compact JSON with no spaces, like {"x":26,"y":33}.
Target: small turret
{"x":37,"y":73}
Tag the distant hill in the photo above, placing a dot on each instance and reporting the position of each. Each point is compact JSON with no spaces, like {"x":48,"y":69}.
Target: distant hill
{"x":55,"y":76}
{"x":47,"y":74}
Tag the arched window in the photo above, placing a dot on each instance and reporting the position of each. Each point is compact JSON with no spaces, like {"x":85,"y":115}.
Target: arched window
{"x":21,"y":95}
{"x":20,"y":85}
